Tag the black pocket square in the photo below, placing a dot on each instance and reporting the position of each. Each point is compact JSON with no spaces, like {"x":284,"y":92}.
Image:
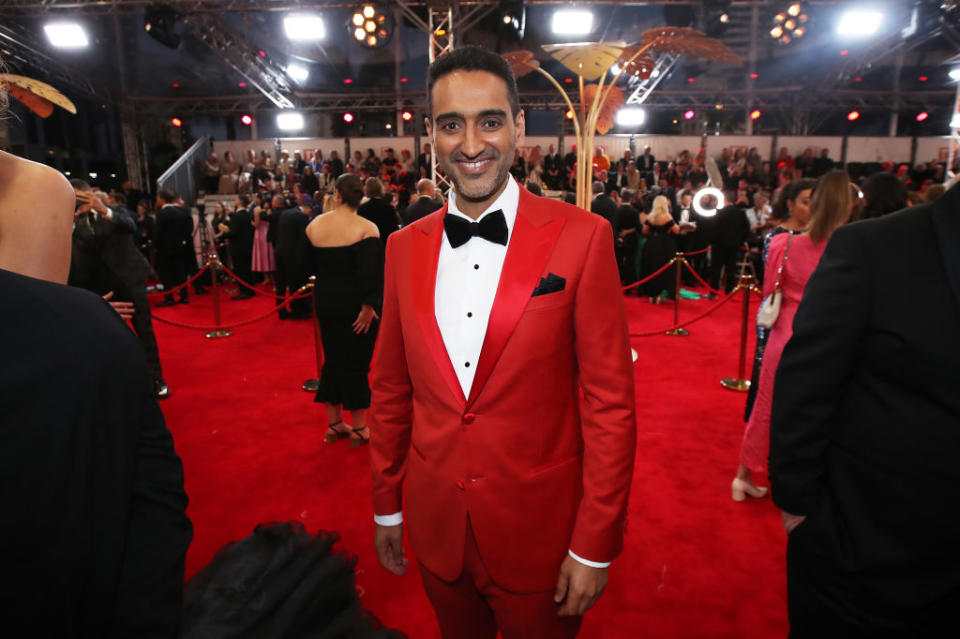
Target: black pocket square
{"x":549,"y":284}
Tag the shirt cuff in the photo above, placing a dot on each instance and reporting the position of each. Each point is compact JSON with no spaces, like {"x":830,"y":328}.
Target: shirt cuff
{"x":587,"y":562}
{"x":388,"y":520}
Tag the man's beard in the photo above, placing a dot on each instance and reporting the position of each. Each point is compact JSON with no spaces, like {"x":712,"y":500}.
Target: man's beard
{"x":501,"y":175}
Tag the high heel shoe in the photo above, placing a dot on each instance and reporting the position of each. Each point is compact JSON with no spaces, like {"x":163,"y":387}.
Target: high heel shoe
{"x":357,"y":438}
{"x":741,"y":489}
{"x":333,"y":434}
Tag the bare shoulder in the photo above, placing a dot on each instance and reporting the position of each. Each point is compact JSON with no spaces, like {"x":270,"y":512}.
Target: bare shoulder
{"x":369,"y":229}
{"x":45,"y":188}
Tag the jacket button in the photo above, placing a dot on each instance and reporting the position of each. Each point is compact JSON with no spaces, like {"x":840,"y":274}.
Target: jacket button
{"x":468,"y":418}
{"x":460,"y":484}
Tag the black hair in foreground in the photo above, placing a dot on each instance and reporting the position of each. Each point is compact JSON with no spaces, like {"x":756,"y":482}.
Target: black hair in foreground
{"x":473,"y":58}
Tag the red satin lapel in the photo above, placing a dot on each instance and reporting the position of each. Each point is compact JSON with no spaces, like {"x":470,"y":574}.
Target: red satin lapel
{"x":425,"y":253}
{"x":530,"y":248}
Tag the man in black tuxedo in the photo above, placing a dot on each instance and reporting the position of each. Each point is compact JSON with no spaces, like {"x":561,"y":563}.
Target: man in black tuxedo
{"x":645,"y":164}
{"x":239,"y":232}
{"x":730,"y":230}
{"x":425,"y":162}
{"x":173,"y":237}
{"x":335,"y":163}
{"x":105,"y":259}
{"x":552,"y":169}
{"x":627,"y":240}
{"x":94,"y":524}
{"x":604,"y":206}
{"x":865,"y":432}
{"x":292,"y":255}
{"x":425,"y":204}
{"x":378,"y":210}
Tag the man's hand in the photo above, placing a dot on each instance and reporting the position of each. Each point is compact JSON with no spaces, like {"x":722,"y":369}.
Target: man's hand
{"x":578,"y":587}
{"x":123,"y":309}
{"x":388,"y":540}
{"x":791,"y":521}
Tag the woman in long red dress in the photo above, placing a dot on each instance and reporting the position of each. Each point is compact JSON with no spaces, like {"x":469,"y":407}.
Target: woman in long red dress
{"x":832,"y":203}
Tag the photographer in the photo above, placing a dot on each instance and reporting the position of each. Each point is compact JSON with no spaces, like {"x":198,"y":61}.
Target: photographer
{"x":106,"y":261}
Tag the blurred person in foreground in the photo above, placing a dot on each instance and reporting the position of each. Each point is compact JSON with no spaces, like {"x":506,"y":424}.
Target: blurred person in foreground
{"x":865,"y":432}
{"x":791,"y":261}
{"x":498,"y":310}
{"x":105,"y":260}
{"x":95,"y":531}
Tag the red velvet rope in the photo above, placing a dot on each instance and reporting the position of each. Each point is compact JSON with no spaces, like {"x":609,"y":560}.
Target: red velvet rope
{"x":651,"y":276}
{"x":701,"y":280}
{"x":690,"y":321}
{"x":692,"y":253}
{"x":185,"y":284}
{"x":251,"y":286}
{"x":303,"y":292}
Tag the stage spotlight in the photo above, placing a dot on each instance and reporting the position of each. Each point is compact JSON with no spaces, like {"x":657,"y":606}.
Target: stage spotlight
{"x":794,"y":9}
{"x":572,"y":22}
{"x":246,"y":119}
{"x":289,"y":121}
{"x":755,"y":114}
{"x":303,"y":27}
{"x":853,"y":115}
{"x":923,"y":115}
{"x":514,"y":17}
{"x":348,"y":117}
{"x":177,"y":122}
{"x":689,"y":115}
{"x":371,"y":25}
{"x":406,"y":116}
{"x":66,"y":35}
{"x":859,"y":23}
{"x":298,"y":73}
{"x":159,"y":22}
{"x":954,"y":74}
{"x":631,"y":116}
{"x":569,"y":114}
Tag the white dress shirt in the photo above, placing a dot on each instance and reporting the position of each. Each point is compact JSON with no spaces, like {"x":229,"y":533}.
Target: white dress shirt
{"x":467,"y":281}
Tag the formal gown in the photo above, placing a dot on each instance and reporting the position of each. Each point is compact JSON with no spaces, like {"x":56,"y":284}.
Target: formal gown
{"x":347,"y":278}
{"x":801,"y":262}
{"x":263,"y":260}
{"x":661,"y":247}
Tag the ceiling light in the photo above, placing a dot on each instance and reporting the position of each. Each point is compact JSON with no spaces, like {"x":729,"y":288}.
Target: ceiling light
{"x":177,"y":122}
{"x":159,"y":21}
{"x":359,"y":33}
{"x":572,"y":22}
{"x":370,"y":26}
{"x":368,"y":11}
{"x":755,"y":114}
{"x":348,"y":117}
{"x":794,"y":9}
{"x":358,"y":19}
{"x":754,"y":76}
{"x":954,"y":74}
{"x":298,"y":73}
{"x":853,"y":115}
{"x":246,"y":119}
{"x":289,"y":121}
{"x":631,"y":116}
{"x":389,"y":126}
{"x":66,"y":35}
{"x":689,"y":115}
{"x":371,"y":41}
{"x":955,"y":121}
{"x":304,"y":27}
{"x":407,"y":116}
{"x":777,"y":31}
{"x":859,"y":23}
{"x":923,"y":115}
{"x":569,"y":114}
{"x":242,"y":85}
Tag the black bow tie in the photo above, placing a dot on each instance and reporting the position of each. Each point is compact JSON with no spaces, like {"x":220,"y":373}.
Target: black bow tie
{"x":492,"y":228}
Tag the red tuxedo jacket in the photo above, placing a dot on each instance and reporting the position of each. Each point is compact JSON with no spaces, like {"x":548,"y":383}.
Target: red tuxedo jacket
{"x":537,"y":470}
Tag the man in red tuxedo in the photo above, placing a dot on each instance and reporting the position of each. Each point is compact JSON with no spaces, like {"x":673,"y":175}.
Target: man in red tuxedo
{"x":503,"y":385}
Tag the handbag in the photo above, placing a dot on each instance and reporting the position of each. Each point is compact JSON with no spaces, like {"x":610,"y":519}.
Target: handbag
{"x":770,"y":309}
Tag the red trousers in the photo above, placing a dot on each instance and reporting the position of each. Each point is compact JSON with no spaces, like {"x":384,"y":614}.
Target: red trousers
{"x":473,"y":607}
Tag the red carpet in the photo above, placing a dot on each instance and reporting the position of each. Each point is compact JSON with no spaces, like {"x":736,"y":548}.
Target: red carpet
{"x":696,"y":564}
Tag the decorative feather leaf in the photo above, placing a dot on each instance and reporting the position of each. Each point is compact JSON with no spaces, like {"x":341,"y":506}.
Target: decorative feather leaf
{"x":521,"y":62}
{"x":589,"y":60}
{"x":641,"y":67}
{"x":608,"y":108}
{"x":688,"y":41}
{"x":38,"y":96}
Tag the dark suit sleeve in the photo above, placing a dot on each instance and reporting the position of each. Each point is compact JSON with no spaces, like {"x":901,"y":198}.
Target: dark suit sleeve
{"x":158,"y":534}
{"x":814,"y":372}
{"x":123,"y":220}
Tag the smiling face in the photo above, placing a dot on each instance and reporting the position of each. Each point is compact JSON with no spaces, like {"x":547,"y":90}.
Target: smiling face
{"x":475,"y":135}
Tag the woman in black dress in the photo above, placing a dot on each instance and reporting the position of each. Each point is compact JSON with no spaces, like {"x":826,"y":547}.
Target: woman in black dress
{"x":661,"y":247}
{"x":348,"y":263}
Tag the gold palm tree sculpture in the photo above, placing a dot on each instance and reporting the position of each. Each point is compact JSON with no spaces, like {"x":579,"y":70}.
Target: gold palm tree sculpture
{"x":599,"y":102}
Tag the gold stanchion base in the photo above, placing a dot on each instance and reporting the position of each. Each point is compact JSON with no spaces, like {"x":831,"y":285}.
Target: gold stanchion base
{"x":218,"y":333}
{"x":735,"y":384}
{"x":678,"y":331}
{"x":311,"y":385}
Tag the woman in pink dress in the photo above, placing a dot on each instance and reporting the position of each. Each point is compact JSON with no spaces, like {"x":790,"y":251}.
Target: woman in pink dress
{"x":263,"y":261}
{"x":831,"y":207}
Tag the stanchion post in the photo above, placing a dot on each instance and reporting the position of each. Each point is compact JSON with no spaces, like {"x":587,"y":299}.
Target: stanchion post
{"x":312,"y":384}
{"x":740,"y":383}
{"x":213,"y":263}
{"x":678,"y":262}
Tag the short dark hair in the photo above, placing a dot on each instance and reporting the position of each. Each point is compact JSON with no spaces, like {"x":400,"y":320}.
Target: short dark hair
{"x":79,"y":185}
{"x":167,"y":196}
{"x":244,"y":199}
{"x":350,"y":188}
{"x":534,"y":188}
{"x":119,"y":198}
{"x":473,"y":58}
